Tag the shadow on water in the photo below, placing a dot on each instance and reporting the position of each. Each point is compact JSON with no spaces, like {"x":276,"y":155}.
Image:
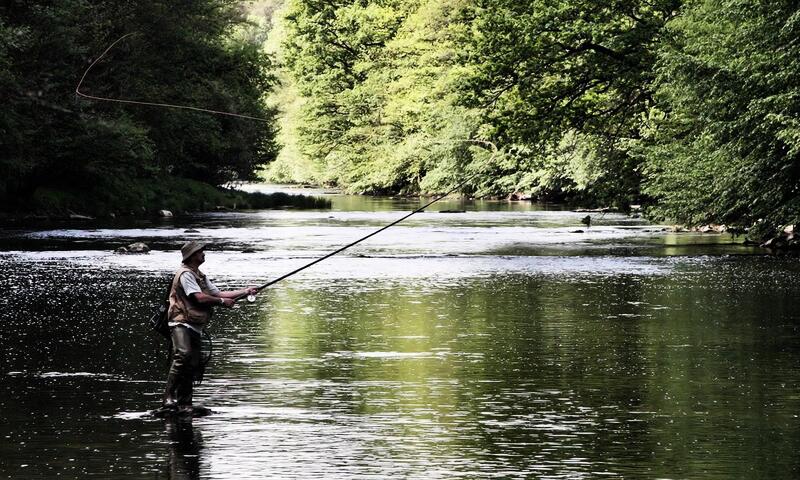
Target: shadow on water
{"x":186,"y":445}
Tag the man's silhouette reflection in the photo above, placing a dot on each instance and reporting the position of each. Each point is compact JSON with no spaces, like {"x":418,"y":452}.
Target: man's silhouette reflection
{"x":184,"y":449}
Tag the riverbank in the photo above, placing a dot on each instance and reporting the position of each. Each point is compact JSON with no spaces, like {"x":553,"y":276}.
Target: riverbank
{"x":147,"y":198}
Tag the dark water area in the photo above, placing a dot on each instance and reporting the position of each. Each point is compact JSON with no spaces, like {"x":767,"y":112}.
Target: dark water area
{"x":494,"y":343}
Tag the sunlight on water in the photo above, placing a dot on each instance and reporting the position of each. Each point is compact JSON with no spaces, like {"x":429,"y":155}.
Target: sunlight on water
{"x":489,"y":344}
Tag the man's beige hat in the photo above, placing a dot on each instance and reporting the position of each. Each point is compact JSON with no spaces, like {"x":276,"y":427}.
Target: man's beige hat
{"x":190,"y":248}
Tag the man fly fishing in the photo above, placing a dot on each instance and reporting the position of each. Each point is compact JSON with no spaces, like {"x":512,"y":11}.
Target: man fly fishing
{"x":192,"y":297}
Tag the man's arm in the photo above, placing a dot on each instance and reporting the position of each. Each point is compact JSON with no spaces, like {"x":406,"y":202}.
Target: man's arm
{"x":205,"y":299}
{"x":230,"y":294}
{"x":214,"y":296}
{"x":237,"y":294}
{"x":223,"y":298}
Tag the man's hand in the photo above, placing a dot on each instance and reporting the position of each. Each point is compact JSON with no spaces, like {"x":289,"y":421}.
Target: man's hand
{"x":251,"y":290}
{"x":228,"y":302}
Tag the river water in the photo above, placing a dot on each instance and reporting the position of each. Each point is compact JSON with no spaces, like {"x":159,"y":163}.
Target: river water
{"x":507,"y":341}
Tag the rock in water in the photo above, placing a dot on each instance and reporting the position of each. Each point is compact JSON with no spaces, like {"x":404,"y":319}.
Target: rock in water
{"x":138,"y":247}
{"x":164,"y":213}
{"x":786,"y":240}
{"x":519,"y":196}
{"x":712,"y":228}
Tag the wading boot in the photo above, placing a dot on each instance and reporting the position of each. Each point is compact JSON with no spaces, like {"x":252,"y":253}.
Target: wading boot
{"x":170,"y":401}
{"x":183,"y":391}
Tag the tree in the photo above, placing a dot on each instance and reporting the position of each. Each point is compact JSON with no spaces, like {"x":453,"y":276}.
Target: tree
{"x":723,"y":145}
{"x":191,"y":53}
{"x":381,"y":112}
{"x":563,"y":86}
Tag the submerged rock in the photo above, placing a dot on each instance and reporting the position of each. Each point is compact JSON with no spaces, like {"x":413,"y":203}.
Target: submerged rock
{"x":164,"y":213}
{"x":138,"y":247}
{"x":709,"y":228}
{"x":594,"y":210}
{"x":191,"y":230}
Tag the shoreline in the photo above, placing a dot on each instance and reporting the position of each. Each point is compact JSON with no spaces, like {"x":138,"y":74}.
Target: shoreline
{"x":171,"y":197}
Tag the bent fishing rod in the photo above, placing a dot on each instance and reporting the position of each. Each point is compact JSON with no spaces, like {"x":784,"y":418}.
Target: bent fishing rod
{"x":252,"y":298}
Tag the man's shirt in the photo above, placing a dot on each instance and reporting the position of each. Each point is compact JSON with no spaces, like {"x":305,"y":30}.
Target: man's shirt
{"x":190,"y":286}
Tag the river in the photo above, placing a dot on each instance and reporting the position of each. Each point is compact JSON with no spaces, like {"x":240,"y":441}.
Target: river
{"x":505,"y":341}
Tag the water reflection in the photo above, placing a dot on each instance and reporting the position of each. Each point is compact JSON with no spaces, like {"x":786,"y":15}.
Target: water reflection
{"x":411,"y":365}
{"x":484,"y":228}
{"x":185,"y":448}
{"x":678,"y":373}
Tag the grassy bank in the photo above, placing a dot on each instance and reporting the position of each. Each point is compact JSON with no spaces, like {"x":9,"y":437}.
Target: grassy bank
{"x":146,"y":197}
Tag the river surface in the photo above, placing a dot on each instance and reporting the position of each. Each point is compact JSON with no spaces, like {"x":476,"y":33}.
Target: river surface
{"x":507,"y":341}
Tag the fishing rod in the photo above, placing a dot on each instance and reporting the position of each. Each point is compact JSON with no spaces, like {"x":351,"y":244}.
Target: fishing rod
{"x":252,"y":297}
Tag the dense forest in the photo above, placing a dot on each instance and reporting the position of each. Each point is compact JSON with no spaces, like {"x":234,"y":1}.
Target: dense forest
{"x":689,"y":108}
{"x":59,"y":151}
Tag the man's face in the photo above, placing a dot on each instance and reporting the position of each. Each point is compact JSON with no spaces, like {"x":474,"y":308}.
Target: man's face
{"x":200,"y":257}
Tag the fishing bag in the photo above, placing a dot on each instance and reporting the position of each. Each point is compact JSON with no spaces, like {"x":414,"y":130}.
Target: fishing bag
{"x":158,"y":322}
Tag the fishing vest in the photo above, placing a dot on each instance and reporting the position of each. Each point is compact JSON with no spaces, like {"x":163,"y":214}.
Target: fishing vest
{"x":182,"y":308}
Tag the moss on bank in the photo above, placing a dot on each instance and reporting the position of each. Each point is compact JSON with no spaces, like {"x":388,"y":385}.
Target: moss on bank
{"x":139,"y":198}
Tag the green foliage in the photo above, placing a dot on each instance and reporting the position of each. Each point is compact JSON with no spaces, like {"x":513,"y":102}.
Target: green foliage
{"x":689,"y":106}
{"x":200,"y":53}
{"x":278,"y":200}
{"x":724,"y":144}
{"x":395,"y":88}
{"x":588,"y":101}
{"x":291,"y":165}
{"x":381,"y":112}
{"x":563,"y":86}
{"x":145,"y":197}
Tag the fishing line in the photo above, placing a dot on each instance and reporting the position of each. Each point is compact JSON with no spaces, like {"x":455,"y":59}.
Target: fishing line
{"x":151,"y":104}
{"x":251,"y":298}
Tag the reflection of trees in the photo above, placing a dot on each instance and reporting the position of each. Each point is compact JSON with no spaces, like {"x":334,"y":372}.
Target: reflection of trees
{"x":630,"y":372}
{"x":723,"y":377}
{"x":559,"y":351}
{"x":184,"y":449}
{"x":491,"y":348}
